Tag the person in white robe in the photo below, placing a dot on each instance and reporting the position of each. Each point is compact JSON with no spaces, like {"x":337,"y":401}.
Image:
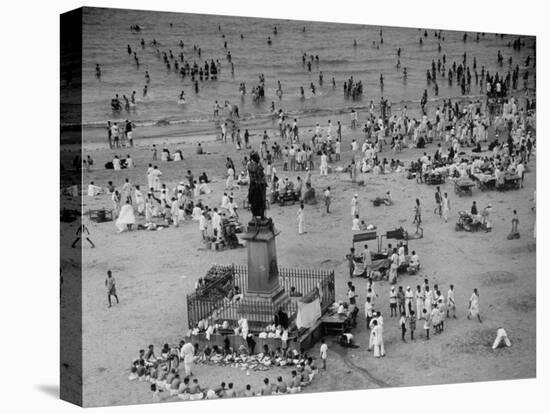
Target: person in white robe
{"x":149,"y":177}
{"x":473,"y":307}
{"x":409,"y":296}
{"x":196,"y":214}
{"x":126,"y":218}
{"x":148,"y":211}
{"x":116,"y":163}
{"x":225,"y":201}
{"x":324,"y":164}
{"x":174,"y":211}
{"x":301,"y":220}
{"x":116,"y":203}
{"x":232,"y":208}
{"x":377,"y":335}
{"x":217,"y":222}
{"x":230,"y":182}
{"x":94,"y":190}
{"x":155,"y":178}
{"x":419,"y":297}
{"x":140,"y":201}
{"x":354,"y":206}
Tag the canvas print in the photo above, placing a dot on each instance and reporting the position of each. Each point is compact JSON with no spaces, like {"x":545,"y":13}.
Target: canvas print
{"x":257,"y":207}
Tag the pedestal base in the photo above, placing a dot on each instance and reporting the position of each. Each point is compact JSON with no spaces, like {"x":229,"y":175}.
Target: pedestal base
{"x":258,"y":307}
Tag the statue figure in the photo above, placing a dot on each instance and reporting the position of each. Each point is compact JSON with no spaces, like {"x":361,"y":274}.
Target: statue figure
{"x":257,"y":187}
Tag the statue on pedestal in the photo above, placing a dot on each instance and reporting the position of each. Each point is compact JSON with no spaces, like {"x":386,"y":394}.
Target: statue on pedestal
{"x":257,"y":187}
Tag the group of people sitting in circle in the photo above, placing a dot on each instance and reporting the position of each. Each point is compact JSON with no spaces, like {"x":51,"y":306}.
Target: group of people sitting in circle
{"x":118,"y":164}
{"x":164,"y":374}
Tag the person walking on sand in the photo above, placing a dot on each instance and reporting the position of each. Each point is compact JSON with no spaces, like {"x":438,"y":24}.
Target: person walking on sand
{"x":327,"y":199}
{"x":324,"y":164}
{"x":323,"y":353}
{"x":403,"y":325}
{"x":110,"y":283}
{"x":80,"y":235}
{"x":301,"y":219}
{"x":437,"y":209}
{"x":473,"y":306}
{"x":446,"y":207}
{"x":417,"y":213}
{"x":451,"y":304}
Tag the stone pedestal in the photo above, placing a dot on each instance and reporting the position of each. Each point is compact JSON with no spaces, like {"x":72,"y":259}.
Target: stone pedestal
{"x":263,"y":294}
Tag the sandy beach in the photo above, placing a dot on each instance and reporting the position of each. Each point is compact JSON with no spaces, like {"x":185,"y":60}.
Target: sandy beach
{"x":156,"y":269}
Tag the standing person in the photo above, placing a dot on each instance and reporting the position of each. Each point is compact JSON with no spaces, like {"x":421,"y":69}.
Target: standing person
{"x":368,"y":311}
{"x":473,"y":306}
{"x":401,"y":300}
{"x":377,"y":334}
{"x":203,"y":226}
{"x":301,"y":219}
{"x":515,"y":222}
{"x":350,"y":256}
{"x":327,"y":199}
{"x":110,"y":283}
{"x":412,"y":324}
{"x":417,"y":213}
{"x":403,"y":325}
{"x":324,"y":164}
{"x":367,"y":260}
{"x":114,"y":134}
{"x":426,"y":319}
{"x":393,"y":302}
{"x":419,"y":296}
{"x":409,"y":296}
{"x":437,"y":209}
{"x":80,"y":235}
{"x":354,"y":206}
{"x":187,"y":354}
{"x":109,"y":134}
{"x":451,"y":304}
{"x":323,"y":353}
{"x":446,"y":207}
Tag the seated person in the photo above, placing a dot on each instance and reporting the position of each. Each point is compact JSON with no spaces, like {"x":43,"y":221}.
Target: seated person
{"x":294,"y":293}
{"x":243,"y":178}
{"x":414,"y":263}
{"x":203,"y":178}
{"x":165,"y":156}
{"x":281,"y":387}
{"x":178,"y":155}
{"x":94,"y":190}
{"x":199,"y":149}
{"x":294,"y":385}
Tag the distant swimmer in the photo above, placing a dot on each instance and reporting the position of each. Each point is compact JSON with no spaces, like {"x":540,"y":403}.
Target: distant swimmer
{"x":381,"y":80}
{"x":420,"y":41}
{"x":303,"y":29}
{"x":147,"y":77}
{"x":333,"y":83}
{"x":302,"y":92}
{"x":312,"y":86}
{"x":320,"y":78}
{"x":242,"y":37}
{"x":405,"y":73}
{"x":142,"y":43}
{"x":399,"y":52}
{"x":181,"y":44}
{"x":97,"y":71}
{"x":272,"y":106}
{"x":145,"y":91}
{"x":275,"y":30}
{"x":269,"y":40}
{"x":133,"y":98}
{"x":355,"y":43}
{"x":196,"y":86}
{"x":129,"y":50}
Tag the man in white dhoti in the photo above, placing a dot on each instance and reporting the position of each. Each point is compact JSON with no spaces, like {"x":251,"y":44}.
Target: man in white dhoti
{"x":127,"y":191}
{"x":451,"y":304}
{"x":428,"y":299}
{"x":473,"y":307}
{"x":324,"y":164}
{"x":378,"y":340}
{"x":301,"y":219}
{"x":216,"y":223}
{"x":501,"y":337}
{"x":126,"y":218}
{"x":446,"y":207}
{"x":187,"y":353}
{"x":230,"y":182}
{"x":149,"y":177}
{"x":354,"y":206}
{"x":174,"y":211}
{"x":116,"y":163}
{"x":140,"y":200}
{"x":155,"y":180}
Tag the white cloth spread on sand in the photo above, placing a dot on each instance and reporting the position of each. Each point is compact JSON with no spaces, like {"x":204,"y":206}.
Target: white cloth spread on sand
{"x":125,"y":217}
